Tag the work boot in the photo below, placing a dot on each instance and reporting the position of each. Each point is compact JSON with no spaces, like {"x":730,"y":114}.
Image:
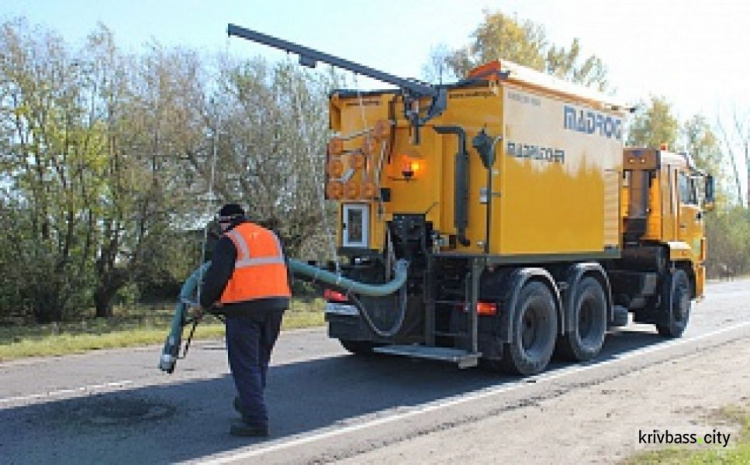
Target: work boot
{"x":242,"y":429}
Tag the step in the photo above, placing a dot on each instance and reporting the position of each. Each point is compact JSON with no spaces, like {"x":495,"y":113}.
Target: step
{"x":464,"y":358}
{"x":621,"y":317}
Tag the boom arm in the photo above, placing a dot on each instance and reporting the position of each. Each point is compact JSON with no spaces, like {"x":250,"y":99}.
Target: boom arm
{"x":308,"y":57}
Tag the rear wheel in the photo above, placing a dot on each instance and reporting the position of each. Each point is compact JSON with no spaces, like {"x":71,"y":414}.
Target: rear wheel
{"x":586,"y":337}
{"x":534,"y":329}
{"x":678,"y":305}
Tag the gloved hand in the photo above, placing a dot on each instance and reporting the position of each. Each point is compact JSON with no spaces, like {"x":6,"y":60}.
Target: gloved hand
{"x":197,"y":312}
{"x":216,"y":307}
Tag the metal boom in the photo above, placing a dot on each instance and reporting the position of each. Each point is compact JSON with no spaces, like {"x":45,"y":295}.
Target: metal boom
{"x":412,"y":90}
{"x":310,"y":57}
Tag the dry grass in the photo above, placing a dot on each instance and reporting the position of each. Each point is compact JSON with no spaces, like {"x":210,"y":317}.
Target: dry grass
{"x":737,"y":452}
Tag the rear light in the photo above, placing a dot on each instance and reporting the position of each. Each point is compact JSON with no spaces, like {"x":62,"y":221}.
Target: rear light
{"x":334,"y":296}
{"x":486,"y":308}
{"x":483,"y":308}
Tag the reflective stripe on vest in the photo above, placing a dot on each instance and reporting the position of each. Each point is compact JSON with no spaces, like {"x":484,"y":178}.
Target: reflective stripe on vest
{"x":243,"y":254}
{"x":260,"y":270}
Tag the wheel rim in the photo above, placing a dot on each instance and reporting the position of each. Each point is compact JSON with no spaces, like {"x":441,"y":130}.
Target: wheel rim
{"x":533,"y":336}
{"x":586,"y":320}
{"x":681,"y":308}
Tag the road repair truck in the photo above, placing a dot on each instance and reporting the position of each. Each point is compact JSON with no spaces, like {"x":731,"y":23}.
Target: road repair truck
{"x":527,"y":226}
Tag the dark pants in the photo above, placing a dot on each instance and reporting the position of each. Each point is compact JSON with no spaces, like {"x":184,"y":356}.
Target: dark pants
{"x":250,"y":340}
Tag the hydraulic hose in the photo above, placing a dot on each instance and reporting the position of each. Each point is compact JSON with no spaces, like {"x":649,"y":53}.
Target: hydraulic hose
{"x":346,"y":284}
{"x":373,"y":290}
{"x":171,"y":351}
{"x":371,"y":324}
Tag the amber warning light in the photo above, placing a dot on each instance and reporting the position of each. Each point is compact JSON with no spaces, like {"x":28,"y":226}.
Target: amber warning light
{"x":410,"y":168}
{"x":483,"y":308}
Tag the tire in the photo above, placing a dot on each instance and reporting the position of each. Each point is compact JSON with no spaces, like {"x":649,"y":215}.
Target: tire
{"x":678,"y":306}
{"x":534,"y":328}
{"x":586,"y":337}
{"x":358,"y":347}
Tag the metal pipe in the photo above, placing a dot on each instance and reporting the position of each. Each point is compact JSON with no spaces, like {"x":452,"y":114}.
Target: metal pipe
{"x":310,"y":57}
{"x":490,"y":194}
{"x":461,"y":183}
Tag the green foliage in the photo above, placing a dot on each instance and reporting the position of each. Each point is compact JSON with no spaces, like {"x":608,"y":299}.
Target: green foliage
{"x":728,"y":238}
{"x":654,"y":124}
{"x":701,"y":142}
{"x":106,"y":159}
{"x":500,"y":36}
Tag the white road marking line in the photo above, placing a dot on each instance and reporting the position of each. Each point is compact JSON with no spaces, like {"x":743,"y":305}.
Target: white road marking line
{"x":64,"y":392}
{"x":244,"y":455}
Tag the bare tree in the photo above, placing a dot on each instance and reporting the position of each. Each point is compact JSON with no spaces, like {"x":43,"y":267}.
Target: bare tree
{"x":270,"y":136}
{"x":736,"y":141}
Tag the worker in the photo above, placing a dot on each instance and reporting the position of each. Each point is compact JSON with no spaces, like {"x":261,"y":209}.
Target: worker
{"x":247,"y":282}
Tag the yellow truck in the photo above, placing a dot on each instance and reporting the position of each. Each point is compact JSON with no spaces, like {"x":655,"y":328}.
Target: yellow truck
{"x":527,"y":226}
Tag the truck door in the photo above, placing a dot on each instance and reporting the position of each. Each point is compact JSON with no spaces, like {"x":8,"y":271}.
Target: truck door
{"x":690,"y":215}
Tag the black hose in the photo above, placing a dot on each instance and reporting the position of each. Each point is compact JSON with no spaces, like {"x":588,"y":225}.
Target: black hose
{"x":402,"y":298}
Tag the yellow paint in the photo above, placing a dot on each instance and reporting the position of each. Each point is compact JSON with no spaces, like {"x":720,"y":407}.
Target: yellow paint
{"x":675,"y":221}
{"x":542,"y":205}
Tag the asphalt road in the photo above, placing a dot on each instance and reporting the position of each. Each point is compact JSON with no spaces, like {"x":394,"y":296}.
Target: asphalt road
{"x":325,"y":405}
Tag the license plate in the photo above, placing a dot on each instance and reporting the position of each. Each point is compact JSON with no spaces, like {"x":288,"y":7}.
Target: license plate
{"x":341,"y":309}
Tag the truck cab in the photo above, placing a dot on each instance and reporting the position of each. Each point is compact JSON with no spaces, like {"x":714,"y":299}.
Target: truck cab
{"x":664,"y":197}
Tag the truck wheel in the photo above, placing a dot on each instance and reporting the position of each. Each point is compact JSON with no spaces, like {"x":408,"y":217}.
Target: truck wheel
{"x":679,"y":306}
{"x":533,"y":331}
{"x":586,"y":337}
{"x":358,"y":347}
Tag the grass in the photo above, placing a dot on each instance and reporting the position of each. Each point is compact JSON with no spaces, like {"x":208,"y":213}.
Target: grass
{"x":127,"y":328}
{"x":738,"y":450}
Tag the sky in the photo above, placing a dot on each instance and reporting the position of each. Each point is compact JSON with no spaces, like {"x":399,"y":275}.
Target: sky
{"x":693,"y":52}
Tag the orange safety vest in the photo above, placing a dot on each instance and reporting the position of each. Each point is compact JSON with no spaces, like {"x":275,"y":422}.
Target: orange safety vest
{"x":259,"y":271}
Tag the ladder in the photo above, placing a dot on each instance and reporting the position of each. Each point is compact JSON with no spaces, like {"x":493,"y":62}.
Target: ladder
{"x":465,"y":338}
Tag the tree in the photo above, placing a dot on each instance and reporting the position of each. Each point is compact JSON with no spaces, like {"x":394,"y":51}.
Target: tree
{"x":156,"y":113}
{"x":736,"y":140}
{"x":269,"y":139}
{"x":93,"y":187}
{"x":728,"y":237}
{"x":502,"y":37}
{"x":437,"y":69}
{"x":654,"y":124}
{"x":701,"y":142}
{"x":49,"y":164}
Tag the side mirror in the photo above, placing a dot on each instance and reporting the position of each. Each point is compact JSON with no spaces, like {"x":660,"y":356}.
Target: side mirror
{"x":708,"y":202}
